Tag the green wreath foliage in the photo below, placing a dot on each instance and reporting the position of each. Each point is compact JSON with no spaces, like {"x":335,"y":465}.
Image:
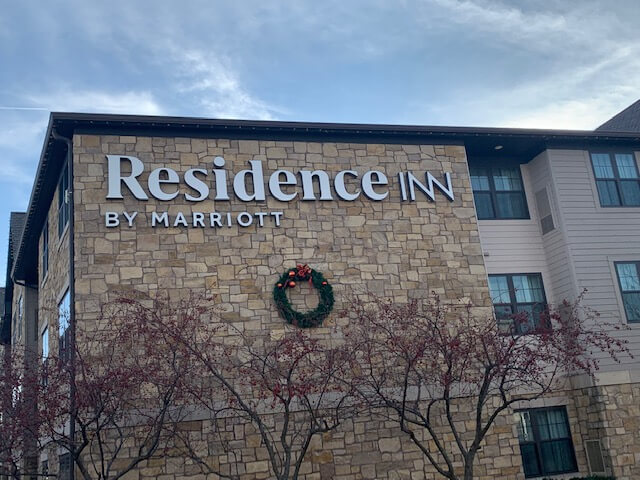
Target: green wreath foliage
{"x":313,"y":318}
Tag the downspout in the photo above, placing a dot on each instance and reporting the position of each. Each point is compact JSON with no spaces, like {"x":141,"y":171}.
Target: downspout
{"x":72,"y":295}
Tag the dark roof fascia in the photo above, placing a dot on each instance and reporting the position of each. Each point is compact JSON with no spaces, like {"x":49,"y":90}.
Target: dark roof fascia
{"x":16,"y":229}
{"x":5,"y":332}
{"x":68,"y":123}
{"x":31,"y":225}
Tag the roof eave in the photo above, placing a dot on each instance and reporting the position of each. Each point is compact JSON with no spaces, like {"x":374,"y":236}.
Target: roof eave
{"x":17,"y":272}
{"x":96,"y":121}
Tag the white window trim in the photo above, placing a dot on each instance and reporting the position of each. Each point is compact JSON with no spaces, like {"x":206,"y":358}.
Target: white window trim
{"x":594,"y":190}
{"x":611,"y":260}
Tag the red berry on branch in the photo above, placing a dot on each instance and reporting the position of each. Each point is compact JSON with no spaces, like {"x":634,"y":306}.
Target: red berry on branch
{"x":292,"y":284}
{"x":324,"y":283}
{"x":279,"y":285}
{"x":292,"y":273}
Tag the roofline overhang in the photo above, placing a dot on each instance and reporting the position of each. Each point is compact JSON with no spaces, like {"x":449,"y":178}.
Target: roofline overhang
{"x":16,"y":270}
{"x":101,"y":122}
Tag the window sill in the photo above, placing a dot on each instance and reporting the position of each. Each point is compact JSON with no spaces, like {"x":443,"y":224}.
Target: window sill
{"x":502,"y":221}
{"x":558,"y":476}
{"x":613,"y":208}
{"x":619,"y":208}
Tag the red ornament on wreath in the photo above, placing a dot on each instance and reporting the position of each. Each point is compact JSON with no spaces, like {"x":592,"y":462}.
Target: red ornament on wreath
{"x":288,"y":279}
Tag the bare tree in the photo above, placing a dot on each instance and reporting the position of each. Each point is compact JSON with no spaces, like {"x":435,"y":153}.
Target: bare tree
{"x":421,"y":365}
{"x":18,"y":446}
{"x":289,"y":389}
{"x":122,"y":385}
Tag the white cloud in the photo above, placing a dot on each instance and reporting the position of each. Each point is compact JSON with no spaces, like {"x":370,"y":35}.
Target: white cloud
{"x":141,"y":103}
{"x":556,"y":29}
{"x":577,"y":98}
{"x":589,"y":65}
{"x":584,"y":114}
{"x":26,"y":122}
{"x":498,"y":18}
{"x":20,"y":139}
{"x":217,"y":86}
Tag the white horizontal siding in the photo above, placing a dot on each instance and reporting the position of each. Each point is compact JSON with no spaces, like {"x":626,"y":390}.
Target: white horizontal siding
{"x":579,"y":252}
{"x":515,"y":246}
{"x":596,"y":237}
{"x":556,"y":252}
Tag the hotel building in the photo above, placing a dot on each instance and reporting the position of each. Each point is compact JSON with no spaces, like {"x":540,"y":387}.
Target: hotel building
{"x":518,"y":218}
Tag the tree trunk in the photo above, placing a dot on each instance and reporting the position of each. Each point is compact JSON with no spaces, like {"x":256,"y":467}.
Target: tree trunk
{"x":468,"y":467}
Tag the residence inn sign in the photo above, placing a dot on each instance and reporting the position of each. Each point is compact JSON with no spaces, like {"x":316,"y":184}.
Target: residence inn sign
{"x":196,"y":185}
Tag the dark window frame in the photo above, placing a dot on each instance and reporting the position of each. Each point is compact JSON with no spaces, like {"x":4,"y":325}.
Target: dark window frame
{"x":44,"y":469}
{"x":45,"y":349}
{"x":537,"y":441}
{"x":64,"y":466}
{"x":64,"y":334}
{"x":493,"y":192}
{"x":45,"y":249}
{"x":19,"y":317}
{"x":516,"y":329}
{"x":616,"y":175}
{"x":622,"y":292}
{"x":63,"y":201}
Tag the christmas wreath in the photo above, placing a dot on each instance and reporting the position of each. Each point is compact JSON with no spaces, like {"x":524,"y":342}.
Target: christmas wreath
{"x":303,"y":273}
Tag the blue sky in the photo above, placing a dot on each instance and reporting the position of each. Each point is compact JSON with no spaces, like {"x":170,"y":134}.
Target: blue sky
{"x":547,"y":64}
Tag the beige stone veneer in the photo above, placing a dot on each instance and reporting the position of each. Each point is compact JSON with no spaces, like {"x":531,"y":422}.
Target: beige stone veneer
{"x":392,"y":248}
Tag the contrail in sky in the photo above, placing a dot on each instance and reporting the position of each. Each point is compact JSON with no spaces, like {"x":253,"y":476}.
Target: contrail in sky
{"x":22,"y":108}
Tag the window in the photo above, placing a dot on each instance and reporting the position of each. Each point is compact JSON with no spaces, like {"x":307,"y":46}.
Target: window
{"x":545,"y":442}
{"x":45,"y":356}
{"x":617,"y":179}
{"x":518,"y":301}
{"x":19,"y":318}
{"x":63,"y":201}
{"x":629,"y":281}
{"x":45,"y":249}
{"x":63,"y":328}
{"x":64,"y":469}
{"x":498,"y":193}
{"x":20,"y":307}
{"x":44,"y":469}
{"x":45,"y":344}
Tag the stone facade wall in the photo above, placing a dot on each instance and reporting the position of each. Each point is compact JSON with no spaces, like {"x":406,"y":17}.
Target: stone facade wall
{"x":364,"y":448}
{"x":18,"y":327}
{"x":24,"y":352}
{"x":52,"y":287}
{"x":392,"y":248}
{"x":611,"y":414}
{"x":55,"y":282}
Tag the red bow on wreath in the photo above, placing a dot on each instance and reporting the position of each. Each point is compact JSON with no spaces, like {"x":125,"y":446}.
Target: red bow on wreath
{"x":303,"y":272}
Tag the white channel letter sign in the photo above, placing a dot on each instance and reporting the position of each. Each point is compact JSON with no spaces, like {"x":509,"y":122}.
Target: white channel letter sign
{"x":249,"y":185}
